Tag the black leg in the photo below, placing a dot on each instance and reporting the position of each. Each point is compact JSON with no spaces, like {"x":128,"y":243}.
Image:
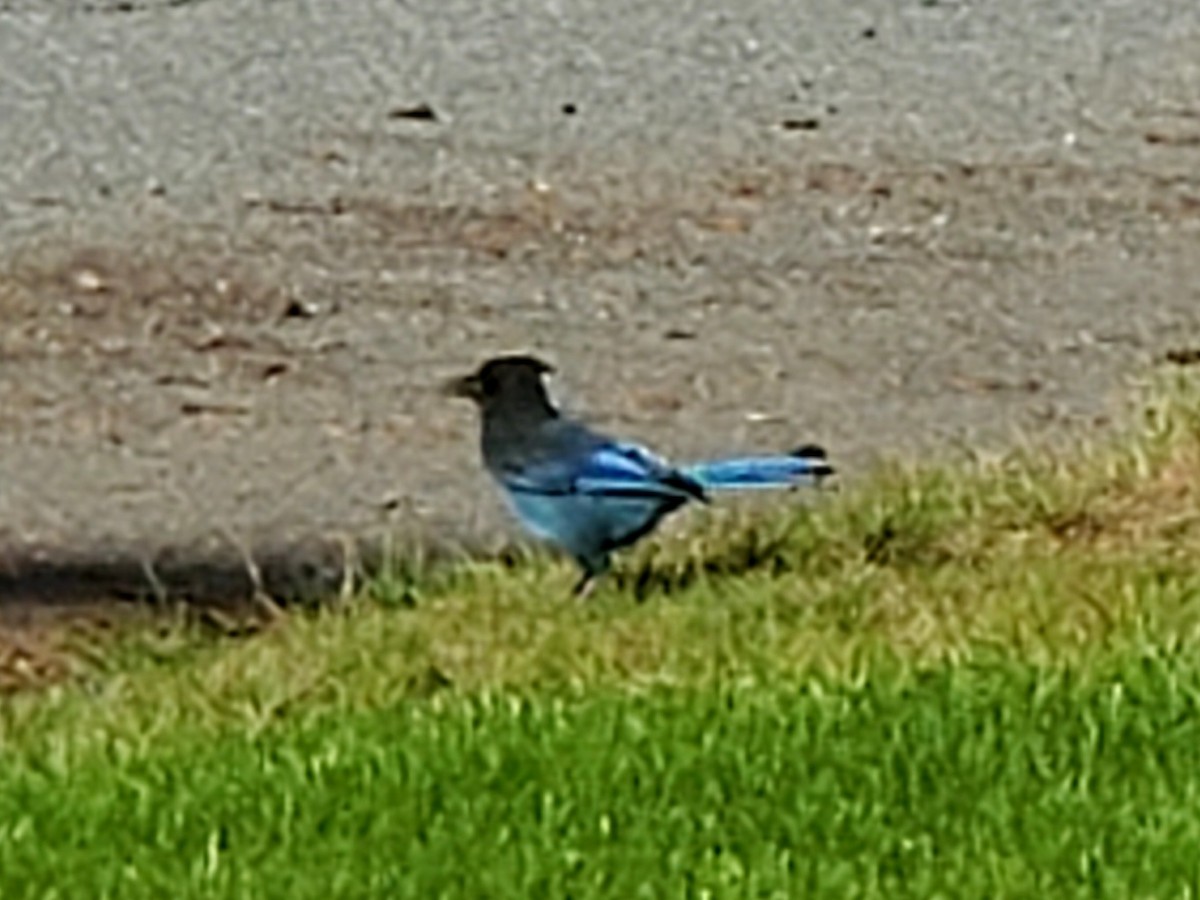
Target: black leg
{"x":584,"y":587}
{"x":593,"y":567}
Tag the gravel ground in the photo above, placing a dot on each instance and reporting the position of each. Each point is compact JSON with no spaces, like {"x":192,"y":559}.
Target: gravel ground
{"x":243,"y":242}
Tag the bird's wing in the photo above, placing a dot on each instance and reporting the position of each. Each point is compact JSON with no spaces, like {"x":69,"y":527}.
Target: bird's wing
{"x":608,"y":469}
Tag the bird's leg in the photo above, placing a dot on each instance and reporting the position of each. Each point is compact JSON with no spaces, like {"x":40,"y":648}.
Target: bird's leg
{"x":584,"y":587}
{"x":593,"y":568}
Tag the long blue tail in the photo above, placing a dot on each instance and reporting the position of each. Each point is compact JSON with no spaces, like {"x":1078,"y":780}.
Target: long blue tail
{"x":806,"y":465}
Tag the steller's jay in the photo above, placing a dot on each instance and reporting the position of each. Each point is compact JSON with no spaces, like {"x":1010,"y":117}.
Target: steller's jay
{"x":588,"y":493}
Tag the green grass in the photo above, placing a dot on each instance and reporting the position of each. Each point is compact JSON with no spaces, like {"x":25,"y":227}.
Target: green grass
{"x":976,"y":781}
{"x":974,"y":680}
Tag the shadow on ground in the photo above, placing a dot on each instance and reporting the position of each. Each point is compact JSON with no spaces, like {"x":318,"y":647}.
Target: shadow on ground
{"x":300,"y":575}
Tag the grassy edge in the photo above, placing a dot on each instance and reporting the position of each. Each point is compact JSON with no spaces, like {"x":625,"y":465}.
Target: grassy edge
{"x":1058,"y":558}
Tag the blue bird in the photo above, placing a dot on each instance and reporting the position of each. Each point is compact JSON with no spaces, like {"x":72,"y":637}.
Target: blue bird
{"x":586,"y":492}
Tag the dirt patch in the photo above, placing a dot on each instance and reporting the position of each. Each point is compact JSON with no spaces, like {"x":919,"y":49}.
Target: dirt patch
{"x":277,"y":389}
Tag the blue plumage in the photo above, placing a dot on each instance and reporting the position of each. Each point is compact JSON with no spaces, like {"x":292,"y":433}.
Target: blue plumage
{"x":588,"y":493}
{"x":804,"y":466}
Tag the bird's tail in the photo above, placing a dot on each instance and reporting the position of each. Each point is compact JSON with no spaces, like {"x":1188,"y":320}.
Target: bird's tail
{"x":805,"y":465}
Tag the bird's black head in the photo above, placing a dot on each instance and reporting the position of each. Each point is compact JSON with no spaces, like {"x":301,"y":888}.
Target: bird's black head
{"x":506,"y":381}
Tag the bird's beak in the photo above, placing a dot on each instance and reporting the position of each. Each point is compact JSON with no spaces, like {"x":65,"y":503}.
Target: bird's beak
{"x":466,"y":386}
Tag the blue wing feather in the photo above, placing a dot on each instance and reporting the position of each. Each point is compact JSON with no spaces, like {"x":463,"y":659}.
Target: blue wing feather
{"x":608,"y":470}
